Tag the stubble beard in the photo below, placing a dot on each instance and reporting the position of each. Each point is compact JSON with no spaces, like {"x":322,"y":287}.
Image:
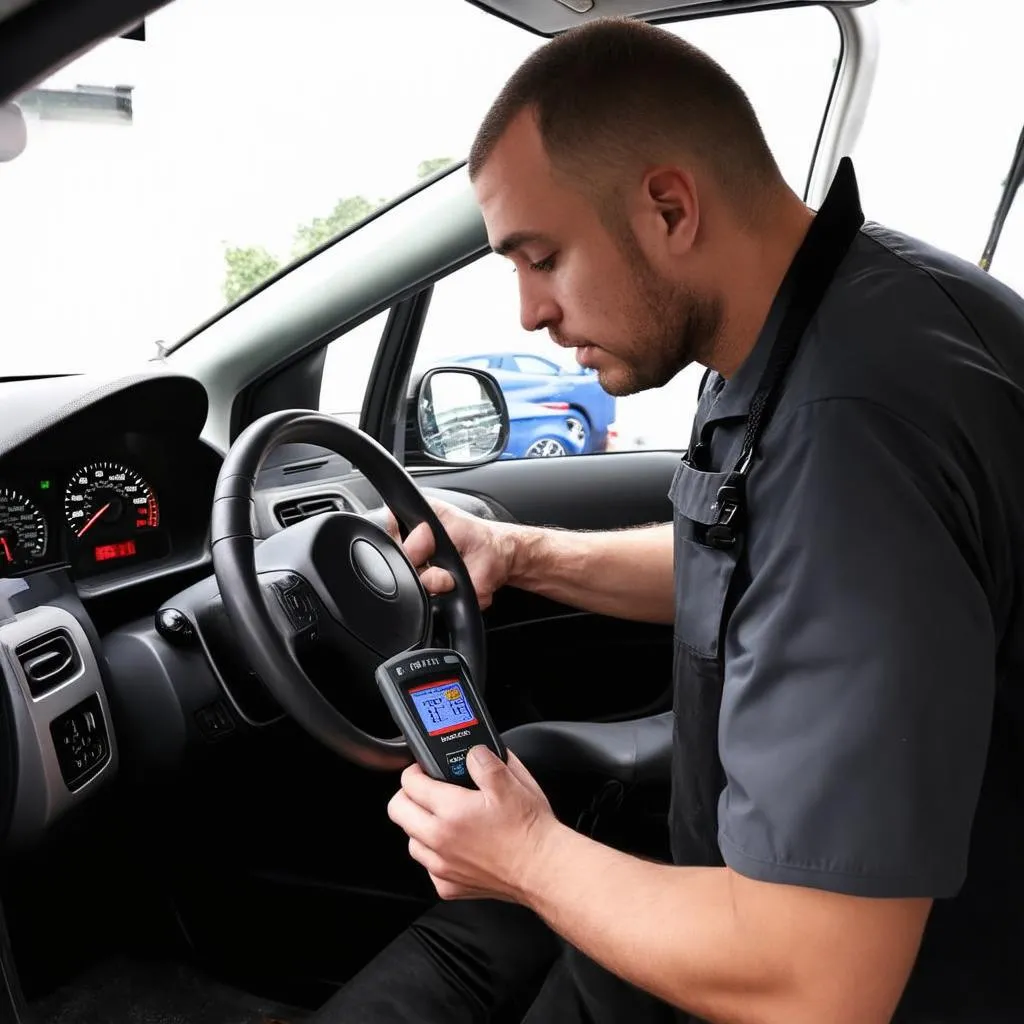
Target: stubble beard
{"x":675,"y":326}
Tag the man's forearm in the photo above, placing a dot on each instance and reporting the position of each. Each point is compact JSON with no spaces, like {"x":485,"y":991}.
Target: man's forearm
{"x":699,"y":939}
{"x":668,"y":930}
{"x":623,"y":573}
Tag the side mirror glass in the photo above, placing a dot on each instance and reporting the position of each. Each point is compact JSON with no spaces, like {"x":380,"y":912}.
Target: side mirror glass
{"x":457,"y":416}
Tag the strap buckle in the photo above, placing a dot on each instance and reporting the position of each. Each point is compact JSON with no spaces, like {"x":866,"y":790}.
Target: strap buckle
{"x":725,"y":531}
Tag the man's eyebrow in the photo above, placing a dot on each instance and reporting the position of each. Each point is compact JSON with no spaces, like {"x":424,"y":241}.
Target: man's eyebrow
{"x":518,"y":239}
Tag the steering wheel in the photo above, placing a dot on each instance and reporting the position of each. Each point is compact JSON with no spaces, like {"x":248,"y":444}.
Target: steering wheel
{"x":334,"y":580}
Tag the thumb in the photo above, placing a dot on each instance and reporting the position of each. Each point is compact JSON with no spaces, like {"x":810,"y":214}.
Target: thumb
{"x":437,"y":581}
{"x":419,"y":545}
{"x":486,"y":769}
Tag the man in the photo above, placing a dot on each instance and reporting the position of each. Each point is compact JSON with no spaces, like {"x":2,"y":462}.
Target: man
{"x":846,"y":820}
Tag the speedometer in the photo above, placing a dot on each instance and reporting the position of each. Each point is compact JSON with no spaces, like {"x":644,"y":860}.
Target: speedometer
{"x":23,"y":533}
{"x":108,"y":500}
{"x":113,"y":514}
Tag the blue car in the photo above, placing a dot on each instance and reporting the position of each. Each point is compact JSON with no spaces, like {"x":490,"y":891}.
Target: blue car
{"x":531,"y":383}
{"x":537,"y":431}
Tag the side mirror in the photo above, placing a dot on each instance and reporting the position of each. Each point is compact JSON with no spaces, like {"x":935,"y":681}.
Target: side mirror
{"x":455,"y":416}
{"x":13,"y":133}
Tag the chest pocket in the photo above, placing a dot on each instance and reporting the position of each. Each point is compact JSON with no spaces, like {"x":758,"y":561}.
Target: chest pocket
{"x":703,"y":575}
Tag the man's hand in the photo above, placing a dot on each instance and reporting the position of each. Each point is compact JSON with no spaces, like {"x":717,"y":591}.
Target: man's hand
{"x":476,"y":844}
{"x":625,"y":574}
{"x":719,"y":945}
{"x":487,"y":548}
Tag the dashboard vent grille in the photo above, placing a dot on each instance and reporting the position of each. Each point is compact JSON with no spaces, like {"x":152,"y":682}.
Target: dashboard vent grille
{"x":48,"y":661}
{"x":290,"y":512}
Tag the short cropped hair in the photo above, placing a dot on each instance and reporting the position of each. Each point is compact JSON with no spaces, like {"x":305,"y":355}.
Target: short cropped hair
{"x":616,"y":92}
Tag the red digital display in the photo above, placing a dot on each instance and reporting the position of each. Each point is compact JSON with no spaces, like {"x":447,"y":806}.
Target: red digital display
{"x":105,"y":552}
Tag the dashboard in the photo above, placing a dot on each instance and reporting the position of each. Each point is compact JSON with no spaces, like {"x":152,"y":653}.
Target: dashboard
{"x":91,"y":517}
{"x":111,"y":623}
{"x":109,"y":494}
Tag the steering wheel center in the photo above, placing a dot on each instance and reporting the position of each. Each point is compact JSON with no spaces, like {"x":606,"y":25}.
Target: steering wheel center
{"x":367,"y":584}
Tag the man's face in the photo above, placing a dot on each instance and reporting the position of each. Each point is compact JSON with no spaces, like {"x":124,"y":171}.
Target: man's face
{"x":593,"y":288}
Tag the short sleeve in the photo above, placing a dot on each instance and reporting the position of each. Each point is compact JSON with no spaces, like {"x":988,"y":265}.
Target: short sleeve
{"x":860,"y":662}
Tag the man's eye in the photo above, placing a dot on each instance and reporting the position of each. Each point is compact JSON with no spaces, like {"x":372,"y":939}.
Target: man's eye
{"x":544,"y":265}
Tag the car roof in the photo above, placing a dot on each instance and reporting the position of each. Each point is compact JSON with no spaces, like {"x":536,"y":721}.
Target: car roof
{"x":549,"y":17}
{"x":34,"y":41}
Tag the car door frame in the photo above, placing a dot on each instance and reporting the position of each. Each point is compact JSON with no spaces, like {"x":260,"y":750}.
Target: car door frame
{"x":842,"y":119}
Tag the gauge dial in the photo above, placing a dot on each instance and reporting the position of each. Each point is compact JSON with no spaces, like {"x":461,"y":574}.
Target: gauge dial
{"x":107,"y":499}
{"x":23,"y":532}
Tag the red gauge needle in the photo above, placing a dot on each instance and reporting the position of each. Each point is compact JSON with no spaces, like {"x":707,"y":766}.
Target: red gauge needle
{"x":95,"y":516}
{"x":7,"y":550}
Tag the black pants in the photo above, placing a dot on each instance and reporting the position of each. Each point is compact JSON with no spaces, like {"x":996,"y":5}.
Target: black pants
{"x":475,"y":961}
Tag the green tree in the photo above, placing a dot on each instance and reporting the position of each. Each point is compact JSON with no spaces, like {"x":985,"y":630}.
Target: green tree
{"x":346,"y":212}
{"x":429,"y":167}
{"x":250,"y":266}
{"x":247,"y":267}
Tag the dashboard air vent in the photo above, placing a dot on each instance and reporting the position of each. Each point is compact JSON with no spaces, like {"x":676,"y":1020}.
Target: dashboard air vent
{"x":290,"y":512}
{"x":304,"y":467}
{"x":48,"y":661}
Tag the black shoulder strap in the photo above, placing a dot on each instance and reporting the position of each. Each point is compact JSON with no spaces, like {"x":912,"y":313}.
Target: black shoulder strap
{"x":828,"y":240}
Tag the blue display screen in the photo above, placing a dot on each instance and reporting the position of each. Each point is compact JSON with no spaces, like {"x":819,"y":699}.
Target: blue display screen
{"x":443,"y":707}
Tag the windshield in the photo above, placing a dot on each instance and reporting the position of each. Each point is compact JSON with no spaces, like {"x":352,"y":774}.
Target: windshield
{"x":165,"y":178}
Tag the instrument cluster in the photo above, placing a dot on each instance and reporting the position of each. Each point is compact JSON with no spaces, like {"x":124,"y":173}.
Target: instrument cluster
{"x":101,"y":515}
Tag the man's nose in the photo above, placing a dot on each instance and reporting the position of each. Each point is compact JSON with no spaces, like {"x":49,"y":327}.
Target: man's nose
{"x":537,"y":310}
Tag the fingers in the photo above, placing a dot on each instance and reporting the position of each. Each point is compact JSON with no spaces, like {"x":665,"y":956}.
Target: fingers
{"x":412,"y":818}
{"x":440,"y":581}
{"x":424,"y":855}
{"x":432,"y":795}
{"x":421,"y":539}
{"x":419,"y":545}
{"x":437,"y":581}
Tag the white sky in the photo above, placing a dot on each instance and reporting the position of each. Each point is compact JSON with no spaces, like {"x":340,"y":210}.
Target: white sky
{"x":252,"y":116}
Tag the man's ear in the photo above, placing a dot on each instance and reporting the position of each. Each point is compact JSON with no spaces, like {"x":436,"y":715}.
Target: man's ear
{"x":671,"y":193}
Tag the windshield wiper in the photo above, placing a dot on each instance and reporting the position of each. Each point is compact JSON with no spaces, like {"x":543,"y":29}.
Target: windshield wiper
{"x":1013,"y":183}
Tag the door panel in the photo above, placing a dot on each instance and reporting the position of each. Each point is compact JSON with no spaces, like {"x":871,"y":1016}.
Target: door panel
{"x":578,"y":667}
{"x":549,"y":661}
{"x":606,"y":491}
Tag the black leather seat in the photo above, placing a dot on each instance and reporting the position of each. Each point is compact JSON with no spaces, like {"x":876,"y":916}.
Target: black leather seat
{"x":634,"y":752}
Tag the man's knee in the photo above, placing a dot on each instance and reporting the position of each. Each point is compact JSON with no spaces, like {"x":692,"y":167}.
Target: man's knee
{"x":460,"y":962}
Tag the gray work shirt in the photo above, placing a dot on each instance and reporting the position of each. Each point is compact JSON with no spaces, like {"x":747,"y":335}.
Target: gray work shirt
{"x":861,"y":656}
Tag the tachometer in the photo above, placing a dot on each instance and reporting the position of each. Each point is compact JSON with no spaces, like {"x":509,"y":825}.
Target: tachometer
{"x":23,"y":533}
{"x":108,"y":500}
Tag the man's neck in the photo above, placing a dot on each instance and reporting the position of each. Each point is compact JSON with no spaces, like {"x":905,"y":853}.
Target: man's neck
{"x":753,"y":265}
